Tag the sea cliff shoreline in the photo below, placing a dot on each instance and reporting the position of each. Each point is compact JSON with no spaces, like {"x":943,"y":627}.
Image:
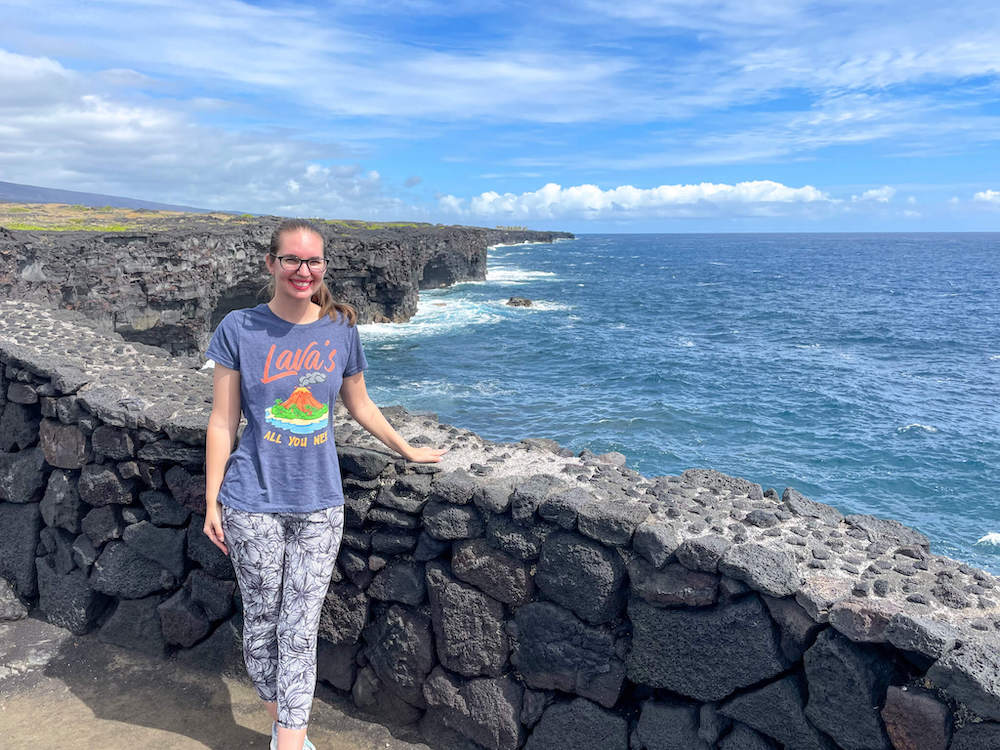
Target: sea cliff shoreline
{"x":170,"y":281}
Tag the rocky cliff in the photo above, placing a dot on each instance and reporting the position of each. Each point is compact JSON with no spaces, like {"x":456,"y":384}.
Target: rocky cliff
{"x":169,"y":284}
{"x":513,"y":595}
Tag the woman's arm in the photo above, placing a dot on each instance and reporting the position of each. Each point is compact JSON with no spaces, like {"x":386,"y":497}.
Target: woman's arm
{"x":354,"y":394}
{"x":219,"y":438}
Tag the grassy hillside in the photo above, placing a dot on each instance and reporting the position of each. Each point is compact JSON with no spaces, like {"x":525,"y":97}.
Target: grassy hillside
{"x":65,"y":217}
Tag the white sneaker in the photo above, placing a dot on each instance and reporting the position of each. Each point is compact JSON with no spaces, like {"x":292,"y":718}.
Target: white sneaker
{"x":306,"y":744}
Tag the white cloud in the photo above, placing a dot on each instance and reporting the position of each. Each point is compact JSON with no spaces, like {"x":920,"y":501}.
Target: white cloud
{"x":318,"y":58}
{"x":576,"y":66}
{"x":756,"y":198}
{"x":879,"y":195}
{"x":73,"y":135}
{"x":987,"y":196}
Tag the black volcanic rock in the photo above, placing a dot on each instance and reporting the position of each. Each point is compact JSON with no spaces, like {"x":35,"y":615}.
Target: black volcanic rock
{"x":66,"y":598}
{"x":468,"y":626}
{"x":704,"y":654}
{"x":579,"y":725}
{"x":19,"y":527}
{"x":555,"y":650}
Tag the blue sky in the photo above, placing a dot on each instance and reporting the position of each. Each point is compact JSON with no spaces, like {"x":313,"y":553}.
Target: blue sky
{"x":733,"y":115}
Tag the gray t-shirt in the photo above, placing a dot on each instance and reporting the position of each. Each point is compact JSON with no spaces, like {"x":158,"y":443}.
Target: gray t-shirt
{"x":290,"y":374}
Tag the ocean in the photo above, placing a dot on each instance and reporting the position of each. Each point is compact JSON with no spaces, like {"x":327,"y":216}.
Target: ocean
{"x":861,"y":369}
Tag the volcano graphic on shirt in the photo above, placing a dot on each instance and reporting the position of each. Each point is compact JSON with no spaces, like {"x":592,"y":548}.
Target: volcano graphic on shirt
{"x":300,"y":413}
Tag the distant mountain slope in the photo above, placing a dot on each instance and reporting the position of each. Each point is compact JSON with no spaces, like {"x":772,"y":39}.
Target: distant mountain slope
{"x":16,"y":193}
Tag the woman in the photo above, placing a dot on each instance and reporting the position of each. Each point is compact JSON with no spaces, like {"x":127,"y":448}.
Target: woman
{"x":277,"y":500}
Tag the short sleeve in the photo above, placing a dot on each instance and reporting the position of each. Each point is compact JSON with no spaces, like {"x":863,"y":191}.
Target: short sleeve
{"x":356,"y":361}
{"x":224,"y":347}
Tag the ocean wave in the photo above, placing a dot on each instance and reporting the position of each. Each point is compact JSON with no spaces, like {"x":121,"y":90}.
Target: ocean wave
{"x":917,"y":426}
{"x":434,"y":316}
{"x":995,"y":356}
{"x":992,"y":538}
{"x":513,"y":275}
{"x":516,"y":244}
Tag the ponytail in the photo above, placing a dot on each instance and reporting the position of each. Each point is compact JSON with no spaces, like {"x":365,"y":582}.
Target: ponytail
{"x":328,"y":306}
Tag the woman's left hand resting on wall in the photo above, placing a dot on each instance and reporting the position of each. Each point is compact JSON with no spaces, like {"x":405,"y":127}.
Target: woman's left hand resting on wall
{"x":354,"y":394}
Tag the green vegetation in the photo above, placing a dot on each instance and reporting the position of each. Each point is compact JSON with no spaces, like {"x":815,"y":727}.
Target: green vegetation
{"x":392,"y":225}
{"x":74,"y":226}
{"x":512,"y":229}
{"x":355,"y":224}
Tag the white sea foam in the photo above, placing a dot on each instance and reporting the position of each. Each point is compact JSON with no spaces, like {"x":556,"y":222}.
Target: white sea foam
{"x":917,"y":426}
{"x":686,"y":342}
{"x":435,"y":314}
{"x":995,"y":356}
{"x":514,"y":244}
{"x":511,"y":275}
{"x":992,"y":538}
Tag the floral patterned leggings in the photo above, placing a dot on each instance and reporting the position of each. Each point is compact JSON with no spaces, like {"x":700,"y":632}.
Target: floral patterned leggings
{"x":283,"y":563}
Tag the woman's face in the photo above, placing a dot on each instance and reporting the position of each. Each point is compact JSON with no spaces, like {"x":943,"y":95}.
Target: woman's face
{"x":301,"y":283}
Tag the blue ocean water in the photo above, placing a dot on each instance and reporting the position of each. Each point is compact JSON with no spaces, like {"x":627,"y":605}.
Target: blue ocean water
{"x":863,"y":370}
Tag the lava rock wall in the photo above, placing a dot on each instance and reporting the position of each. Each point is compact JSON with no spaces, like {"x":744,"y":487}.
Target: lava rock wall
{"x":514,"y":595}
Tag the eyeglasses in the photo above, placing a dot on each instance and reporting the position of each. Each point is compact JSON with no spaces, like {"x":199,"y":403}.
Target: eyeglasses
{"x":293,"y":263}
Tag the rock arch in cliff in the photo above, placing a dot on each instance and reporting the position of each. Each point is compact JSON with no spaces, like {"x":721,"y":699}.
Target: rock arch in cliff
{"x":437,"y":273}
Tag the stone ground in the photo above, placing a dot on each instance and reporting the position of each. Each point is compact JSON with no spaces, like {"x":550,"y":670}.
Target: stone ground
{"x":58,"y":690}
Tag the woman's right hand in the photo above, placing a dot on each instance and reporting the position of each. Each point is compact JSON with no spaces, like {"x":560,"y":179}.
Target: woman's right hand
{"x":213,"y":525}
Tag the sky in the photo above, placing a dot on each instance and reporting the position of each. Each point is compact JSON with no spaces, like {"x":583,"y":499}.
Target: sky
{"x":590,"y":116}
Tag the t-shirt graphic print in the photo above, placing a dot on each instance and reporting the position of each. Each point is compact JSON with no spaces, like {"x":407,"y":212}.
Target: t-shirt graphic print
{"x":290,"y":375}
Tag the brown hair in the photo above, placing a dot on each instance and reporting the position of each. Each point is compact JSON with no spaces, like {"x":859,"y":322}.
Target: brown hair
{"x":323,"y":297}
